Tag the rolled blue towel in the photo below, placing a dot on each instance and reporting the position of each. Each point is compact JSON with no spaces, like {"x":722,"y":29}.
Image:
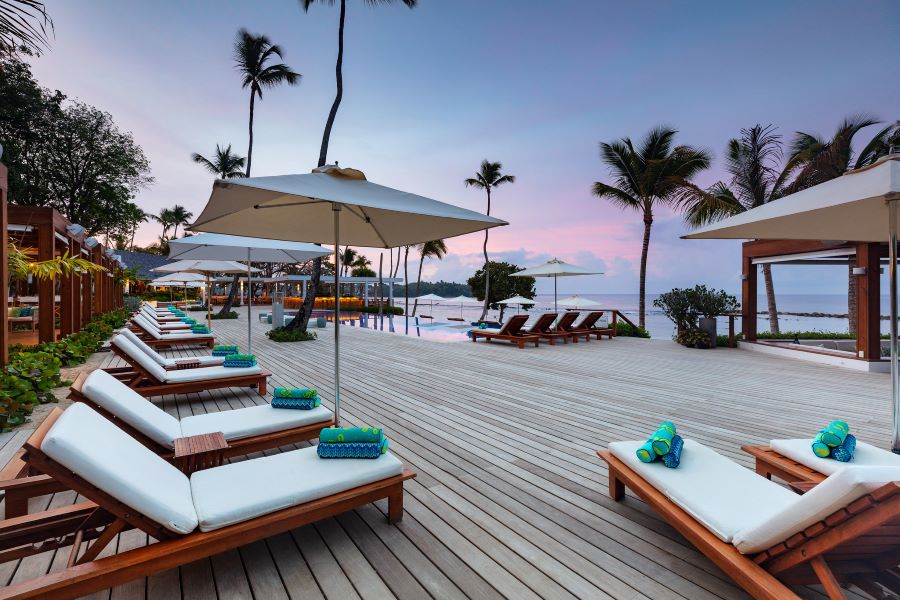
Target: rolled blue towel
{"x":239,"y":364}
{"x":661,"y":440}
{"x":353,"y":449}
{"x":844,"y":452}
{"x":296,"y":403}
{"x":645,"y":453}
{"x":673,"y":457}
{"x":834,"y":433}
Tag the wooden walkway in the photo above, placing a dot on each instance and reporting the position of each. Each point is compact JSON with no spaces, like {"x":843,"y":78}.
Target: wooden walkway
{"x":510,"y":500}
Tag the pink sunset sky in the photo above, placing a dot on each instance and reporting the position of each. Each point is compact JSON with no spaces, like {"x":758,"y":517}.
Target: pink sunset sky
{"x":430,"y":92}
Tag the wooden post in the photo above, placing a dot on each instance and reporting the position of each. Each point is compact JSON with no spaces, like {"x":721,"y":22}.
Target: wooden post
{"x":77,"y":322}
{"x":99,"y":276}
{"x":86,"y":296}
{"x":868,"y":302}
{"x":46,"y":287}
{"x":748,"y":300}
{"x":66,"y":298}
{"x":4,"y":273}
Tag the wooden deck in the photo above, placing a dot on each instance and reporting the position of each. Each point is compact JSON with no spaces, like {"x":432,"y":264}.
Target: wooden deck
{"x":510,"y":500}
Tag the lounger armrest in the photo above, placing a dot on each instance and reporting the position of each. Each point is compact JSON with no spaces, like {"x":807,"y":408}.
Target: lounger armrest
{"x":197,"y":452}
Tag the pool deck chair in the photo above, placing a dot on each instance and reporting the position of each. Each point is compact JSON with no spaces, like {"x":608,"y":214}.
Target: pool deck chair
{"x":764,"y":536}
{"x":543,"y":329}
{"x":588,"y":326}
{"x":192,"y":517}
{"x":184,"y":362}
{"x":156,"y":338}
{"x":793,"y":460}
{"x":149,"y":379}
{"x":511,"y":332}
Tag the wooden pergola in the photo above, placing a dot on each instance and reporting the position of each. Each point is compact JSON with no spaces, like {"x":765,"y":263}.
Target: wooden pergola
{"x":867,"y":258}
{"x":80,"y":295}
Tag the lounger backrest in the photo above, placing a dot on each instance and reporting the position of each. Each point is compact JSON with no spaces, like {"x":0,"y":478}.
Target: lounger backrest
{"x":106,"y":457}
{"x":542,"y":325}
{"x":514,"y":325}
{"x":567,"y":319}
{"x":118,"y":399}
{"x":147,"y":326}
{"x":135,"y":354}
{"x":591,"y":319}
{"x":143,"y":346}
{"x":834,"y":493}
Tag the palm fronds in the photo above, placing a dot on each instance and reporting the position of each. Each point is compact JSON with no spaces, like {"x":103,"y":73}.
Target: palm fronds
{"x":24,"y":24}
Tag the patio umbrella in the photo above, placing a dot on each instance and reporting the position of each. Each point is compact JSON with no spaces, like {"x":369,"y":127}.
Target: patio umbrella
{"x":333,"y":205}
{"x":431,"y":299}
{"x":519,"y":301}
{"x":861,"y":206}
{"x":461,"y":300}
{"x":207,"y":267}
{"x":179,"y":277}
{"x":577,"y":301}
{"x":555,"y":268}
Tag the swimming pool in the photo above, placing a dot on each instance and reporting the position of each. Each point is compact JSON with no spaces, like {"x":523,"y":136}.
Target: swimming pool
{"x":440,"y":331}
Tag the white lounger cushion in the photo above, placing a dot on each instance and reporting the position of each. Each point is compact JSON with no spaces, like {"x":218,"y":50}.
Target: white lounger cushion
{"x":155,"y":332}
{"x":245,"y":490}
{"x":135,"y":354}
{"x":253,"y":420}
{"x":205,"y":361}
{"x":864,"y":455}
{"x":115,"y":397}
{"x":837,"y":491}
{"x":721,"y":494}
{"x":210,"y":373}
{"x":108,"y":458}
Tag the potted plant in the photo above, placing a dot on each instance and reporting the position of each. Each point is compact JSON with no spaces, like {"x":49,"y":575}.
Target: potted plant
{"x":709,"y":304}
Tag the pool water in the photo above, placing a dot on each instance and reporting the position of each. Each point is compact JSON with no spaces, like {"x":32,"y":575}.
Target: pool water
{"x":440,"y":331}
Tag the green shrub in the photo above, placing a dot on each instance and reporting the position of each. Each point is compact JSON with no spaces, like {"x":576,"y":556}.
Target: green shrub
{"x":282,"y":334}
{"x":200,"y":308}
{"x":806,"y":335}
{"x":26,"y":382}
{"x":722,"y":340}
{"x":623,"y":329}
{"x":693,"y":338}
{"x":228,"y":315}
{"x":388,"y":310}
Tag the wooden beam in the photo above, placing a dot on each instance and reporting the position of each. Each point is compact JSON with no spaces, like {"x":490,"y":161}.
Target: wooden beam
{"x":762,"y":248}
{"x":46,"y":287}
{"x":748,"y":297}
{"x":87,"y":304}
{"x":66,"y":298}
{"x":868,"y":302}
{"x":77,"y":322}
{"x":97,"y":259}
{"x":4,"y":274}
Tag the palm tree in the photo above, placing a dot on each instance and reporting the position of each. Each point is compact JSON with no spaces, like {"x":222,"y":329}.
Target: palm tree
{"x":435,"y":248}
{"x":308,"y":302}
{"x":487,"y":178}
{"x":224,"y":164}
{"x":164,"y":218}
{"x":644,"y":177}
{"x":347,"y":257}
{"x":180,"y":216}
{"x":251,"y":53}
{"x":24,"y":24}
{"x":757,"y":177}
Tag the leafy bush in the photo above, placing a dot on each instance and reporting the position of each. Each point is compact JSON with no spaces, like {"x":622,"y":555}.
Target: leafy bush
{"x":388,"y":310}
{"x":623,"y":329}
{"x":693,"y":338}
{"x":684,"y":307}
{"x":281,"y":334}
{"x":807,"y":335}
{"x":229,"y":315}
{"x":131,"y":303}
{"x":25,"y":382}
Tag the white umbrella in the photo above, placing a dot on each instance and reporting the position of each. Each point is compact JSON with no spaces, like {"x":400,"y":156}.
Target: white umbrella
{"x":430,"y":298}
{"x":178,"y":277}
{"x":578,"y":302}
{"x":519,"y":301}
{"x":860,"y":206}
{"x":461,"y":300}
{"x":333,"y":205}
{"x":207,"y":267}
{"x":555,"y":268}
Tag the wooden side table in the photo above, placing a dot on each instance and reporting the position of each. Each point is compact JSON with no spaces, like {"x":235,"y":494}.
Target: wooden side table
{"x":185,"y":363}
{"x":199,"y":452}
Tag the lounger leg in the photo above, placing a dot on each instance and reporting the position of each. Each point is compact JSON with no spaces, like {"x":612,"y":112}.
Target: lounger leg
{"x":261,"y":387}
{"x":616,"y":486}
{"x":763,"y":469}
{"x":829,"y":582}
{"x":395,"y":504}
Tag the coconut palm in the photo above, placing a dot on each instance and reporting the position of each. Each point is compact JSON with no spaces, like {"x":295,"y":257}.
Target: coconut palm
{"x":24,"y":24}
{"x":754,"y":162}
{"x":308,"y":302}
{"x":251,"y":53}
{"x":224,"y":164}
{"x":436,"y":249}
{"x":180,"y":216}
{"x":487,"y":178}
{"x":646,"y":176}
{"x":164,"y":218}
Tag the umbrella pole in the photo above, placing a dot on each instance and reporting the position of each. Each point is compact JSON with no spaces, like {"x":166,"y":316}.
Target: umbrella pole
{"x":554,"y":295}
{"x":249,"y":299}
{"x":895,"y":367}
{"x":208,"y":302}
{"x":336,"y":208}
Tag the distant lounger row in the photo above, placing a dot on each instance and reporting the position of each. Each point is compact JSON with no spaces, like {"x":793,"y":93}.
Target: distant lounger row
{"x":544,"y":329}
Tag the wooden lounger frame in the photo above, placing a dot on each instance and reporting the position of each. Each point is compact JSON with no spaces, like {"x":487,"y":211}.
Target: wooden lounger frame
{"x":590,"y":319}
{"x":198,"y":340}
{"x":542,"y":328}
{"x":143,"y":382}
{"x":518,"y":337}
{"x":770,"y":462}
{"x":857,"y":544}
{"x":80,"y":523}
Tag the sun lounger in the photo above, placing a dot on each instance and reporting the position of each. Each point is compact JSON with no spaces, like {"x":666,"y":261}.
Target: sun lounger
{"x":761,"y":534}
{"x":148,"y":378}
{"x":588,"y":326}
{"x":161,"y":317}
{"x":156,"y":338}
{"x":542,"y":328}
{"x":185,"y":362}
{"x":214,"y":510}
{"x":793,"y":460}
{"x":511,"y":332}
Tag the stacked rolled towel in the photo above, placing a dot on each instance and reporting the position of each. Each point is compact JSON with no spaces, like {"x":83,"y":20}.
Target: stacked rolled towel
{"x":188,"y":320}
{"x":664,"y":444}
{"x":297,"y":398}
{"x":240,"y":360}
{"x":351,"y":442}
{"x":222,"y":350}
{"x":199,"y":329}
{"x":834,"y":441}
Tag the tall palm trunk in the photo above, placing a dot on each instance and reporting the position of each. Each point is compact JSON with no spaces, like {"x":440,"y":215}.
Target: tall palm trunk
{"x":250,"y":127}
{"x":302,"y":318}
{"x":642,"y":286}
{"x":418,"y":283}
{"x":770,"y":299}
{"x":229,"y":301}
{"x":487,"y":273}
{"x":851,"y":296}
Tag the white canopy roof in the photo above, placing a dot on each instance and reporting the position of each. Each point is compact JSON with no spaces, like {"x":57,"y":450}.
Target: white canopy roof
{"x":430,"y":298}
{"x":851,"y":207}
{"x":235,"y":247}
{"x":578,"y":302}
{"x":462,"y":300}
{"x":300,"y":207}
{"x":178,"y":278}
{"x":555,"y":268}
{"x":517,"y":300}
{"x":205,"y":266}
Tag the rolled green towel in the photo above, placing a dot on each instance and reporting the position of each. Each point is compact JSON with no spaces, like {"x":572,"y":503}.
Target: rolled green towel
{"x":241,"y":358}
{"x":661,"y":440}
{"x":835,"y":433}
{"x":281,"y":392}
{"x":355,"y":435}
{"x":820,"y":448}
{"x":645,"y":453}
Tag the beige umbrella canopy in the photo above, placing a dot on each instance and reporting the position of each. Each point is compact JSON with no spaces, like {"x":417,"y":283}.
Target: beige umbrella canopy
{"x":336,"y":206}
{"x":555,"y":268}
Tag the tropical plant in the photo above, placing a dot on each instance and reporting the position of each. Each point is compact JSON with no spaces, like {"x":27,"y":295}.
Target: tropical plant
{"x":251,"y":53}
{"x":302,"y":318}
{"x":487,"y":178}
{"x":21,"y":266}
{"x":24,"y":25}
{"x":503,"y":285}
{"x":757,"y":177}
{"x":180,"y":216}
{"x":646,"y":176}
{"x":164,"y":218}
{"x":433,"y":249}
{"x":224,"y":163}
